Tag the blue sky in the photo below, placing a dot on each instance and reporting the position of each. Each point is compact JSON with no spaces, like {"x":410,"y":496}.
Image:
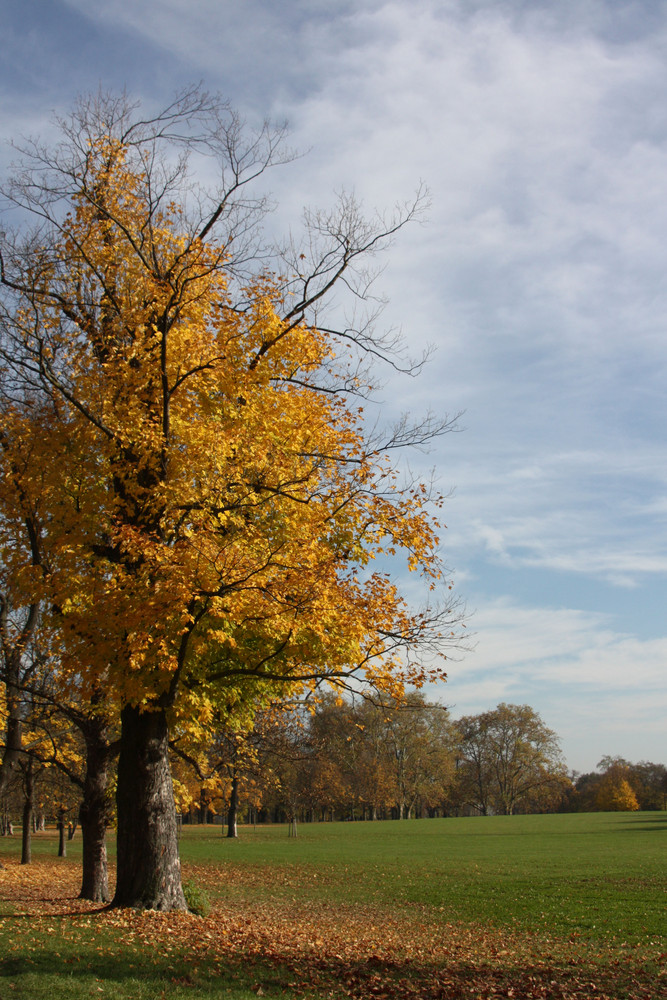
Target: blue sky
{"x":540,"y":278}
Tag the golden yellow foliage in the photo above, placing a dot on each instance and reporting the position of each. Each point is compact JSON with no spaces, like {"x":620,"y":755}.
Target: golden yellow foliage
{"x":616,"y":795}
{"x":209,"y":517}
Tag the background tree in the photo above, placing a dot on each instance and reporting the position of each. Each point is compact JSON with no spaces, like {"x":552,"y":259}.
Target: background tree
{"x":338,"y":763}
{"x":230,"y":763}
{"x":615,"y":794}
{"x":649,"y":783}
{"x":508,"y":758}
{"x":583,"y":792}
{"x":81,"y":742}
{"x":646,"y":780}
{"x":29,"y":777}
{"x":420,"y":749}
{"x":373,"y":778}
{"x":475,"y":764}
{"x":527,"y":755}
{"x":21,"y":565}
{"x":358,"y":757}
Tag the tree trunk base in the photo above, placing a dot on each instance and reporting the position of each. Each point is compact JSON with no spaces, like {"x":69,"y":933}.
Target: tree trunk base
{"x":149,"y":868}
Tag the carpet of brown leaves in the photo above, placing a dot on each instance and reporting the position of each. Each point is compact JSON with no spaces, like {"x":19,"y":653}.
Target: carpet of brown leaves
{"x":355,"y":951}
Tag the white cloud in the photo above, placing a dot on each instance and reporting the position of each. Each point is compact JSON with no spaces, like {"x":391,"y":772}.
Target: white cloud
{"x":600,"y":690}
{"x":540,"y":272}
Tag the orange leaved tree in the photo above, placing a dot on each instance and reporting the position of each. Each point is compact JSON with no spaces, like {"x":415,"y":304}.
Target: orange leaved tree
{"x":213,"y":503}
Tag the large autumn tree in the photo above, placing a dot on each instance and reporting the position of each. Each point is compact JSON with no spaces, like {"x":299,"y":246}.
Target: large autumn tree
{"x":214,"y":504}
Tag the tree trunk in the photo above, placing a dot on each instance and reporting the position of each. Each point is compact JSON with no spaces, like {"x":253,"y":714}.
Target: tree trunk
{"x":148,"y":866}
{"x":62,"y":839}
{"x":28,"y":808}
{"x":94,"y":817}
{"x":95,"y":876}
{"x":233,"y":813}
{"x":26,"y":846}
{"x":14,"y":726}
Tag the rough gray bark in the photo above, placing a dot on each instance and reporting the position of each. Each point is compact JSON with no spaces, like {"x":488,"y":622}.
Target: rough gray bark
{"x":94,"y":816}
{"x":148,"y":865}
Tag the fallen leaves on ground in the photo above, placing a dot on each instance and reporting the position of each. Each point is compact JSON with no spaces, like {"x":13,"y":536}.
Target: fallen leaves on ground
{"x":321,"y":950}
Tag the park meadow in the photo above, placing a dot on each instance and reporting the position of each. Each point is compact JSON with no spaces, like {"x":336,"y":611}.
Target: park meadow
{"x":542,"y":906}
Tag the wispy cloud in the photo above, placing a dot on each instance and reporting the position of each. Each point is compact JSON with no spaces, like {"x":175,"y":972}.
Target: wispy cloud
{"x":596,"y":687}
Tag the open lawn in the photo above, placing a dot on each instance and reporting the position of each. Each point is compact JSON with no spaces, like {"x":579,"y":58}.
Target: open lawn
{"x":570,"y":906}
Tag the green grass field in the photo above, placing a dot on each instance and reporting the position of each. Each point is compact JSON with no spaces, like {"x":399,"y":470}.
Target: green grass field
{"x":528,"y":906}
{"x":595,"y":874}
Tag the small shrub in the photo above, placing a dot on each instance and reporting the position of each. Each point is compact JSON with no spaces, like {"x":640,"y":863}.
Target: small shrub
{"x":197,"y":899}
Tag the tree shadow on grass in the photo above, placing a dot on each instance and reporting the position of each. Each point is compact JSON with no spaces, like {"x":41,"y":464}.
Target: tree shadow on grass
{"x":49,"y":975}
{"x":650,"y":824}
{"x":309,"y":976}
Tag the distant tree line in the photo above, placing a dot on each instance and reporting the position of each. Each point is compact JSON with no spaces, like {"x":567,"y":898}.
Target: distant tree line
{"x":361,"y":758}
{"x":366,"y":759}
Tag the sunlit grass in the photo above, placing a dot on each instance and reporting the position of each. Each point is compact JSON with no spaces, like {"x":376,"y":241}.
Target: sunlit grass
{"x":592,"y":874}
{"x":574,"y":899}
